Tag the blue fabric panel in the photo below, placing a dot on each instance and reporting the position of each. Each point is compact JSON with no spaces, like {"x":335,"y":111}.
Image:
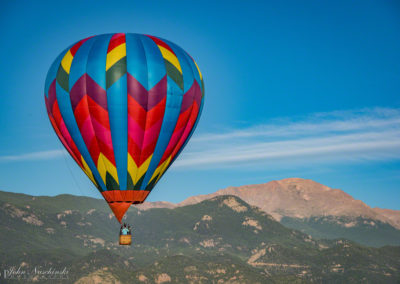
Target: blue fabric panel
{"x":96,"y":66}
{"x":52,"y":73}
{"x":136,"y":59}
{"x":187,"y":70}
{"x":118,"y":116}
{"x":154,"y":60}
{"x":78,"y":66}
{"x":64,"y":103}
{"x":172,"y":109}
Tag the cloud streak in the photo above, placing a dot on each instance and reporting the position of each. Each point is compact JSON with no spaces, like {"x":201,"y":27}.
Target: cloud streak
{"x":341,"y":136}
{"x":360,"y":135}
{"x":33,"y":156}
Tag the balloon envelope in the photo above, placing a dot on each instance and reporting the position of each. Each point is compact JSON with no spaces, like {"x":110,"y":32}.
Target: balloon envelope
{"x":124,"y":107}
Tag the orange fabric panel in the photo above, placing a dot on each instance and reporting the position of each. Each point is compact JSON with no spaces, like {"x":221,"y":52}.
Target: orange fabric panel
{"x":120,"y":200}
{"x":133,"y":196}
{"x":119,"y":209}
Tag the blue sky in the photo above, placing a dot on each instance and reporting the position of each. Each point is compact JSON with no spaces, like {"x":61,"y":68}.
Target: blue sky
{"x":293,"y":89}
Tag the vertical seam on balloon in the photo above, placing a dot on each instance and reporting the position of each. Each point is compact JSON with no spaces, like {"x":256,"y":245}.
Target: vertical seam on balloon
{"x":143,"y":186}
{"x":127,"y":121}
{"x":90,"y":114}
{"x":124,"y":192}
{"x":193,"y":129}
{"x":84,"y":144}
{"x":145,"y":120}
{"x":150,"y":174}
{"x":162,"y":171}
{"x":188,"y":137}
{"x":128,"y":108}
{"x":60,"y":137}
{"x":111,"y":128}
{"x":74,"y":113}
{"x":50,"y":80}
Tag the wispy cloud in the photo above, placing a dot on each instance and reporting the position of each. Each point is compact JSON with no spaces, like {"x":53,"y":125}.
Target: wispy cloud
{"x":33,"y":156}
{"x":358,"y":135}
{"x":337,"y":121}
{"x":340,"y":136}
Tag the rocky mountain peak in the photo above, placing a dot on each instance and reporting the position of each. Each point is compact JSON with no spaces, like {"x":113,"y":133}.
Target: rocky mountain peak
{"x":300,"y":198}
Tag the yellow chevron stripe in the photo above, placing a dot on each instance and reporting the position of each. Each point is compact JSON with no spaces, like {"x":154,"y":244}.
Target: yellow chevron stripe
{"x":135,"y":172}
{"x":198,"y":69}
{"x":114,"y":55}
{"x":67,"y":61}
{"x":161,"y":169}
{"x":143,"y":169}
{"x":87,"y":171}
{"x":164,"y":169}
{"x":168,"y":55}
{"x":104,"y":166}
{"x":132,"y":168}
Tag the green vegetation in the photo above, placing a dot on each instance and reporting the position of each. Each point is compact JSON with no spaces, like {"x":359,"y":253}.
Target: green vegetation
{"x":222,"y":239}
{"x":361,"y":230}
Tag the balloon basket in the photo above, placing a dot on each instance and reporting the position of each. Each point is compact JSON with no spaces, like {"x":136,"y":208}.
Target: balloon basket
{"x":125,"y":240}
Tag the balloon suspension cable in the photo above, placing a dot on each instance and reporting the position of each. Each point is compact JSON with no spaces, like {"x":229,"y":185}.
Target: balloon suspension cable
{"x":70,"y":171}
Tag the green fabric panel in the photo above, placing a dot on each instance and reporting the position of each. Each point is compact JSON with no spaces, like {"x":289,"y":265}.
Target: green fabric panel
{"x":116,"y":72}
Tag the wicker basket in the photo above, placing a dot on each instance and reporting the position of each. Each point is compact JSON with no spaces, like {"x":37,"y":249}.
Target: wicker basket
{"x":125,"y":240}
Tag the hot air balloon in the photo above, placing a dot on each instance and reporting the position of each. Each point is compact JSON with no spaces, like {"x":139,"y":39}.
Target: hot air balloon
{"x":124,"y":106}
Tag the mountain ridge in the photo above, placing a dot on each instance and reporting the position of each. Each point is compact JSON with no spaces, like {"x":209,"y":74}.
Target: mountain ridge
{"x":295,"y":198}
{"x":300,"y":204}
{"x":222,"y":239}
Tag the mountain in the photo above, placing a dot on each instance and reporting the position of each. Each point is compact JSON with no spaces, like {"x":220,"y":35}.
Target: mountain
{"x":315,"y":209}
{"x":156,"y":204}
{"x":392,"y":215}
{"x":301,"y":198}
{"x":218,"y":240}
